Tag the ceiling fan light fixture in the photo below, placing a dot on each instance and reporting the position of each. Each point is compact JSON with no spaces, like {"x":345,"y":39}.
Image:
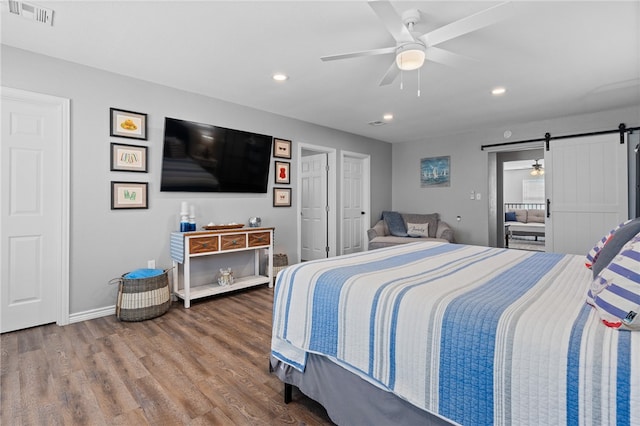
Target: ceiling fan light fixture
{"x":537,"y":169}
{"x":410,"y":56}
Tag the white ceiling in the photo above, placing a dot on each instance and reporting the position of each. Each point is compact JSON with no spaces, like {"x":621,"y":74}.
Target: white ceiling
{"x":554,"y":58}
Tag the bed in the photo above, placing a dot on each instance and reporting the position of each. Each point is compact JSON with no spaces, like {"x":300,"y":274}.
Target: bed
{"x":436,"y":333}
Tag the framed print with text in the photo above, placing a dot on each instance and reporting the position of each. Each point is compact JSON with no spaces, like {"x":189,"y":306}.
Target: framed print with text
{"x":128,"y":158}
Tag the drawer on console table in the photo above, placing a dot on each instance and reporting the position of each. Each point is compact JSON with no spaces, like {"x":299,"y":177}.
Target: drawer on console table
{"x":259,"y":239}
{"x":203,"y":245}
{"x":233,"y":241}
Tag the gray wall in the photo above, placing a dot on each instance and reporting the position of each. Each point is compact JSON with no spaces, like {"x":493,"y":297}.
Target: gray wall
{"x":512,"y":185}
{"x":105,"y":244}
{"x":512,"y":179}
{"x":470,"y":168}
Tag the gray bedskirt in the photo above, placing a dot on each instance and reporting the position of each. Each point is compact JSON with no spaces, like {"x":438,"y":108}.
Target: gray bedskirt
{"x":350,"y":400}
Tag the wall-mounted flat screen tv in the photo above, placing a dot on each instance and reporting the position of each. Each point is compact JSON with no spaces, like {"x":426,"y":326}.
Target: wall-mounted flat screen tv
{"x":204,"y":158}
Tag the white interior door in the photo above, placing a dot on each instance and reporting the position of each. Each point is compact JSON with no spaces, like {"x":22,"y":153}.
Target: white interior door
{"x":313,"y":178}
{"x":354,"y":210}
{"x":586,"y":185}
{"x":33,"y":233}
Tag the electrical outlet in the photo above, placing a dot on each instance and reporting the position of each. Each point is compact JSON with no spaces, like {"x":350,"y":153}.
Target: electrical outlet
{"x":472,"y":195}
{"x":151,"y":264}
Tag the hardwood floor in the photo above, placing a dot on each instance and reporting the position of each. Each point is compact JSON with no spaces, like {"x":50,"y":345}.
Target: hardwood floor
{"x":207,"y":365}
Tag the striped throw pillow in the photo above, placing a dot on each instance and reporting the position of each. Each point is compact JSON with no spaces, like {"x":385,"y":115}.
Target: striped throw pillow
{"x":593,"y":254}
{"x":615,"y":292}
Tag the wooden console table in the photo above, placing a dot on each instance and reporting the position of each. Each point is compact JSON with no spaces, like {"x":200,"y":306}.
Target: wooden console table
{"x":188,"y":245}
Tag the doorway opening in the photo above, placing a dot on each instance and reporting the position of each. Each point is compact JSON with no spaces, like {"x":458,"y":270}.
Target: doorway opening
{"x":497,"y":185}
{"x":523,"y":196}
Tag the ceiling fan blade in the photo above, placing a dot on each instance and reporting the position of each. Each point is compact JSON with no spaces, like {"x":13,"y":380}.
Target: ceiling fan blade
{"x":470,"y":23}
{"x":390,"y":75}
{"x":374,"y":52}
{"x":441,"y":56}
{"x":392,"y":21}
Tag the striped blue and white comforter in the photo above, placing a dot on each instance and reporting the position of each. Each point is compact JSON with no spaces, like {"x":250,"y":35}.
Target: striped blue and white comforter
{"x":475,"y":334}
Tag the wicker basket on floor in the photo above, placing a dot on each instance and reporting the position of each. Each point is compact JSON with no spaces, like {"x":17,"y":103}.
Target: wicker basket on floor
{"x":140,"y":299}
{"x":280,"y":261}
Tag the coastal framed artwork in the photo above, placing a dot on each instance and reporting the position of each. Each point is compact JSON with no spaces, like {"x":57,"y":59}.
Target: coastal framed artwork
{"x":281,"y":197}
{"x":281,"y":148}
{"x":129,"y":195}
{"x":282,"y":172}
{"x":128,"y":124}
{"x":128,"y":158}
{"x":435,"y":172}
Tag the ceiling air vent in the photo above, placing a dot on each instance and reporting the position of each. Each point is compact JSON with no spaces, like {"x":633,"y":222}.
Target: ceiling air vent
{"x":31,"y":11}
{"x":377,"y":123}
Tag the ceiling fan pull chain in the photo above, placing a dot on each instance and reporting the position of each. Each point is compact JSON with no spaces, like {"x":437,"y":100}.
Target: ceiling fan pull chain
{"x":401,"y":79}
{"x":419,"y":83}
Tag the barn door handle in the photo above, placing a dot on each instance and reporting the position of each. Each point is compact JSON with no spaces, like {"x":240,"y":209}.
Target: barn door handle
{"x":548,"y":207}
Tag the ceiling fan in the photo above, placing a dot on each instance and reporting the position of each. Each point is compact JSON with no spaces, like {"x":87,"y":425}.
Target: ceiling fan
{"x":411,"y":50}
{"x":537,"y":169}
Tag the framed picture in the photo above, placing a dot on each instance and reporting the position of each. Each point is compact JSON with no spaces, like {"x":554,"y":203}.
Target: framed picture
{"x":281,"y":197}
{"x":282,"y":172}
{"x":435,"y":172}
{"x":281,"y":148}
{"x":129,"y":195}
{"x":128,"y":158}
{"x":128,"y":124}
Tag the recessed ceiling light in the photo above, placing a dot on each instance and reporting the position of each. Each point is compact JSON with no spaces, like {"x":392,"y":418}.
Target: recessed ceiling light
{"x":387,"y":117}
{"x":280,"y":77}
{"x":498,"y":91}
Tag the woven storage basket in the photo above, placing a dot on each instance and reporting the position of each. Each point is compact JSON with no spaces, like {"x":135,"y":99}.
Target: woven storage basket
{"x":140,"y":299}
{"x":280,"y":261}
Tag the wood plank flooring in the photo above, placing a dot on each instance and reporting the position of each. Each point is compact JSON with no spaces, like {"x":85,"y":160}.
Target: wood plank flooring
{"x":207,"y":365}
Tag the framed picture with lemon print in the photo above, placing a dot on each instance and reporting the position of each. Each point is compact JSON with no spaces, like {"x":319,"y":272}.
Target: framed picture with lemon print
{"x":128,"y":124}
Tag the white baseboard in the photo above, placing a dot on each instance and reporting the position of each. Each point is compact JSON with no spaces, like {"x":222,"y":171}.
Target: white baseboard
{"x":92,"y":314}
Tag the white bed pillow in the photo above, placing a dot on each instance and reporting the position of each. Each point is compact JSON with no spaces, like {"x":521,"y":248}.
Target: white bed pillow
{"x":615,"y":292}
{"x":418,"y":230}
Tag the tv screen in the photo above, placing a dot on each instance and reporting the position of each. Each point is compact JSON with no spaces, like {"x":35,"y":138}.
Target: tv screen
{"x":204,"y":158}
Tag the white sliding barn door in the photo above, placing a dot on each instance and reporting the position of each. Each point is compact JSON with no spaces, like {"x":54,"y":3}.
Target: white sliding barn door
{"x":586,"y":186}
